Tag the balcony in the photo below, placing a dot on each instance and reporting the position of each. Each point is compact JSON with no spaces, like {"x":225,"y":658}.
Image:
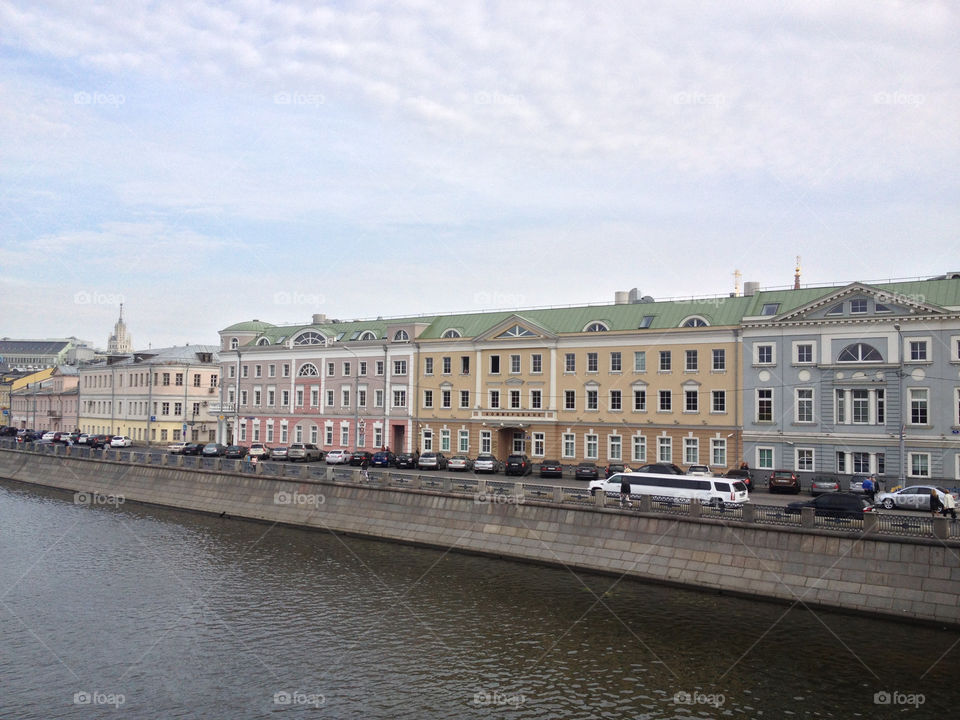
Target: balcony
{"x":54,"y":413}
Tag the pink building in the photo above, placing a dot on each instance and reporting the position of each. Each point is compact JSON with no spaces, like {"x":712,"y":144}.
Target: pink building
{"x":51,"y":404}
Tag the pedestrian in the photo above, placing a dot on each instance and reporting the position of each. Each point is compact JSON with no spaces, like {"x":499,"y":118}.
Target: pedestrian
{"x":869,"y":489}
{"x":949,"y":506}
{"x":365,"y":467}
{"x":935,"y":505}
{"x":625,"y":491}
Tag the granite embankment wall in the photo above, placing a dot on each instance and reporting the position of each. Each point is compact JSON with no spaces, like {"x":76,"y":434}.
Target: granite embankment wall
{"x":911,"y":578}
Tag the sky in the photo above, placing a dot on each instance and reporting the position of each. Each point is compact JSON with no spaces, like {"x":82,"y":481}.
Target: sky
{"x":208,"y":163}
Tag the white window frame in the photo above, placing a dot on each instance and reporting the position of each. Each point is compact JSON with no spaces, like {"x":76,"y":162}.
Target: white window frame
{"x":486,"y":441}
{"x":615,"y":448}
{"x":799,"y":402}
{"x":463,"y":441}
{"x":760,"y":450}
{"x":539,"y":444}
{"x":691,"y":449}
{"x":638,"y":448}
{"x":718,"y":452}
{"x":795,"y":348}
{"x":927,"y":345}
{"x":756,"y":354}
{"x":591,"y":446}
{"x":801,"y":466}
{"x":773,"y":406}
{"x":569,"y":445}
{"x":664,"y":449}
{"x":910,"y":469}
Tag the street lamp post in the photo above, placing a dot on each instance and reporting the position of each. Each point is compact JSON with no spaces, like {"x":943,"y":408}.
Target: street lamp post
{"x":902,"y":476}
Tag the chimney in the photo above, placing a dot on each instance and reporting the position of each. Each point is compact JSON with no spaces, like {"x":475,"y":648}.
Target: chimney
{"x":319,"y":318}
{"x":750,"y":288}
{"x":621,"y":297}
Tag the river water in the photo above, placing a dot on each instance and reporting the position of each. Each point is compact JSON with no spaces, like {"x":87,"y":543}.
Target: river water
{"x":132,"y":611}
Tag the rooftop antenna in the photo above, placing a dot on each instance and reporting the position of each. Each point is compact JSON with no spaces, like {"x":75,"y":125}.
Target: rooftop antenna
{"x":736,"y":282}
{"x":796,"y":275}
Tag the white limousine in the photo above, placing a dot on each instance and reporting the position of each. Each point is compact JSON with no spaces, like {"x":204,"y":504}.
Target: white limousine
{"x":708,"y":490}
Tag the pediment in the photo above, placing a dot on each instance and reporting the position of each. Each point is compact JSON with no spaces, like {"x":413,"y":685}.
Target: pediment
{"x":516,"y":327}
{"x":858,"y":301}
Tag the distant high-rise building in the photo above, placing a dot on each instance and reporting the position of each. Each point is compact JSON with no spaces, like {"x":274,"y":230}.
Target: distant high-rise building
{"x":120,"y":341}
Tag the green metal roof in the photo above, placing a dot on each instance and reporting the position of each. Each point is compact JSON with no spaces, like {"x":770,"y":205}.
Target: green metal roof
{"x":249,"y":326}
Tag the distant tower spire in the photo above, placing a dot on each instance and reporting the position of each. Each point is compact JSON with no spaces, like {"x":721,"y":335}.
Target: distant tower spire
{"x":796,"y":275}
{"x":736,"y":282}
{"x":120,"y":342}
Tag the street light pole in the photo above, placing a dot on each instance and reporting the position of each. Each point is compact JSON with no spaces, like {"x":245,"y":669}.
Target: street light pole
{"x":902,"y":478}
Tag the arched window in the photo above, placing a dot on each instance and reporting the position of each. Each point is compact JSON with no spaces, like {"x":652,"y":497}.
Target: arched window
{"x":309,"y":337}
{"x":694,"y":321}
{"x":859,"y":352}
{"x":308,"y":370}
{"x":517,"y":331}
{"x":367,"y":335}
{"x":263,"y":341}
{"x":234,"y":343}
{"x":596,"y":327}
{"x":401,"y":336}
{"x":451,"y":333}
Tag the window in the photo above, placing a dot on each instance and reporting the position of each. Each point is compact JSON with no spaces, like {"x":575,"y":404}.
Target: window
{"x":536,"y":399}
{"x":256,"y":398}
{"x":165,"y":407}
{"x":309,"y":338}
{"x":401,"y":336}
{"x":463,"y":441}
{"x":718,"y":401}
{"x":451,"y":333}
{"x":593,"y":362}
{"x":858,"y":306}
{"x":514,"y":399}
{"x":464,"y":398}
{"x":664,"y":449}
{"x":769,"y":308}
{"x":286,"y":370}
{"x":494,"y":364}
{"x":536,"y":364}
{"x":646,"y":322}
{"x":592,"y":400}
{"x":804,"y":405}
{"x":639,"y":448}
{"x":569,"y":362}
{"x":328,"y":434}
{"x":446,"y":398}
{"x":691,"y":402}
{"x":257,"y":372}
{"x":308,"y":370}
{"x":640,"y":361}
{"x":569,"y":445}
{"x":918,"y":406}
{"x":234,"y":343}
{"x":804,"y":459}
{"x":861,"y":406}
{"x":400,"y":398}
{"x":331,"y":400}
{"x":464,"y":364}
{"x":428,"y":399}
{"x":399,"y":367}
{"x":591,"y":447}
{"x":196,"y":379}
{"x":345,"y":435}
{"x":444,"y":440}
{"x":314,"y":396}
{"x":345,"y":397}
{"x":486,"y":441}
{"x":695,"y":321}
{"x":285,"y":398}
{"x":428,"y":366}
{"x":517,"y":331}
{"x":614,"y":447}
{"x":666,"y":401}
{"x":639,"y":400}
{"x":494,"y":399}
{"x":804,"y":353}
{"x":690,"y":361}
{"x":514,"y":364}
{"x":764,"y":355}
{"x":379,"y":367}
{"x":861,"y":462}
{"x":691,"y":451}
{"x":616,"y":362}
{"x":764,"y":405}
{"x":178,"y":407}
{"x":718,"y":452}
{"x":765,"y":458}
{"x":447,"y":365}
{"x":569,"y":400}
{"x":616,"y":400}
{"x":918,"y":350}
{"x":271,"y":370}
{"x":271,"y":398}
{"x":166,"y":376}
{"x":919,"y":464}
{"x":859,"y":352}
{"x":664,"y":361}
{"x":539,"y":444}
{"x":719,"y":360}
{"x":378,"y":398}
{"x":596,"y":327}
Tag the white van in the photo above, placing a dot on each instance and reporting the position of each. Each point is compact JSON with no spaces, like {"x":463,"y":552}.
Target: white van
{"x":708,"y":490}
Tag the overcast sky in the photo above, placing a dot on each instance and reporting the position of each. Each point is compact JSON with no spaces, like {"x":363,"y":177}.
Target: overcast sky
{"x":208,"y":163}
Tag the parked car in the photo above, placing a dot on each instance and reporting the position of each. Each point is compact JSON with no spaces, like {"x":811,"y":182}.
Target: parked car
{"x":699,"y":470}
{"x":49,"y":435}
{"x":743,"y":475}
{"x":176,"y":448}
{"x":821,"y":484}
{"x":192,"y":449}
{"x":213,"y":450}
{"x":305,"y":452}
{"x":235,"y":452}
{"x":334,"y":457}
{"x":551,"y":468}
{"x":833,"y":505}
{"x":99,"y":441}
{"x":518,"y":464}
{"x":586,"y":471}
{"x":856,"y":483}
{"x":383,"y":458}
{"x":914,"y":497}
{"x":432,"y":461}
{"x":358,"y":456}
{"x":71,"y":437}
{"x":82,"y":440}
{"x":487,"y":463}
{"x":784,"y":481}
{"x":279,"y":453}
{"x":708,"y":490}
{"x":120,"y":441}
{"x":406,"y":461}
{"x":460,"y":462}
{"x":615,"y":468}
{"x":661,"y":469}
{"x":259,"y":451}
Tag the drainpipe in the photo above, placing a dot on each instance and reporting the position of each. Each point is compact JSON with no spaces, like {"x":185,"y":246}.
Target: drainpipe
{"x":416,"y":392}
{"x":738,"y":387}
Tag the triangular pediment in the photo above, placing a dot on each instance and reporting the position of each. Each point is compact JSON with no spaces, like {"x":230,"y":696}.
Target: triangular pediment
{"x":857,"y":301}
{"x":516,"y":327}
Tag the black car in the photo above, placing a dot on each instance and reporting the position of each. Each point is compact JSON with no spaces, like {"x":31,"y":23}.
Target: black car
{"x":358,"y":457}
{"x":192,"y":449}
{"x":383,"y":458}
{"x":833,"y":505}
{"x":587,"y":471}
{"x":661,"y":469}
{"x":551,"y":468}
{"x":742,"y":475}
{"x":234,"y":452}
{"x":407,"y":461}
{"x":99,"y":441}
{"x":518,"y":464}
{"x":213,"y":450}
{"x":614,"y":468}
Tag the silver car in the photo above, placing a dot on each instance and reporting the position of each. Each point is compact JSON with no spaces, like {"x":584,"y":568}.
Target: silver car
{"x":915,"y":497}
{"x":305,"y":452}
{"x":486,"y":462}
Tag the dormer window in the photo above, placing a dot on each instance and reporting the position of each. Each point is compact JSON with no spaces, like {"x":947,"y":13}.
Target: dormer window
{"x":858,"y":306}
{"x":694,"y":321}
{"x":309,"y":337}
{"x":596,"y":327}
{"x":517,"y":331}
{"x":401,"y":336}
{"x":646,"y":322}
{"x":451,"y":333}
{"x":770,"y":309}
{"x":367,"y":335}
{"x":234,"y":343}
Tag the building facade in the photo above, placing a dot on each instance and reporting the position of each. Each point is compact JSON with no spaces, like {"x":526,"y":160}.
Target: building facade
{"x":47,"y":403}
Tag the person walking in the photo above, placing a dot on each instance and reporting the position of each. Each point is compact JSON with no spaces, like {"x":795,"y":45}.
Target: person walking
{"x":365,"y":467}
{"x":949,"y":506}
{"x":935,"y":505}
{"x":870,"y":490}
{"x":625,"y":492}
